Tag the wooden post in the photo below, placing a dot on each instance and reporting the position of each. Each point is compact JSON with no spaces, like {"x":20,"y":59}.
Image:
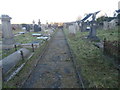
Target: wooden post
{"x":21,"y":52}
{"x":15,"y":47}
{"x":104,"y":50}
{"x":32,"y":47}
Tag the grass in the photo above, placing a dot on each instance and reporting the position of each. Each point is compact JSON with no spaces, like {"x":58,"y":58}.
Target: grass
{"x":26,"y":38}
{"x":110,"y":35}
{"x":96,"y":70}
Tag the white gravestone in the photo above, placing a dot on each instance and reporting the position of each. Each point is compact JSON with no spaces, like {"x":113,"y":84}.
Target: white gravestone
{"x":72,"y":29}
{"x":76,"y":26}
{"x":112,"y":24}
{"x":105,"y":25}
{"x":7,"y":30}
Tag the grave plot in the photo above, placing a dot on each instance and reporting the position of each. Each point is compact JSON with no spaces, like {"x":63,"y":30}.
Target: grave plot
{"x":96,"y":69}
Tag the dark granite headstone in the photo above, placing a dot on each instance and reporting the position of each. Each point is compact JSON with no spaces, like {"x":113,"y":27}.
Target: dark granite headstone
{"x":92,"y":33}
{"x":36,"y":28}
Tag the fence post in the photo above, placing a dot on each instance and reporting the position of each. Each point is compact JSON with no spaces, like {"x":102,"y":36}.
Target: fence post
{"x":15,"y":47}
{"x":21,"y":52}
{"x":32,"y":47}
{"x":104,"y":50}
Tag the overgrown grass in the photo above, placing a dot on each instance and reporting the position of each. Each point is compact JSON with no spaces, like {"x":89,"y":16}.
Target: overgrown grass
{"x":25,"y":38}
{"x":96,"y":70}
{"x":110,"y":35}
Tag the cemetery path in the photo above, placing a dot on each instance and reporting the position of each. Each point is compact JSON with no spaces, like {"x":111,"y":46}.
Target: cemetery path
{"x":55,"y":69}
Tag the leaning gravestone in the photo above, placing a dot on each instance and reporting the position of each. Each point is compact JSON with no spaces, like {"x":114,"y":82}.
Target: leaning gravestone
{"x":7,"y":34}
{"x":72,"y":30}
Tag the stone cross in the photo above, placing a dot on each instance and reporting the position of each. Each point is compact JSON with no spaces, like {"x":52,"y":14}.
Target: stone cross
{"x":39,"y":25}
{"x":92,"y":33}
{"x":7,"y":30}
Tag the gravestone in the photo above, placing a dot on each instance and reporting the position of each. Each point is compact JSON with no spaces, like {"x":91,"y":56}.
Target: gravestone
{"x":72,"y":30}
{"x":7,"y":34}
{"x":64,"y":26}
{"x":92,"y":33}
{"x":105,"y":25}
{"x":27,"y":27}
{"x":76,"y":26}
{"x":36,"y":28}
{"x":83,"y":26}
{"x":113,"y":24}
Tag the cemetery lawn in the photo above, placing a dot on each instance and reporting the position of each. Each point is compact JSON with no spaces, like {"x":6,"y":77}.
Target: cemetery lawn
{"x":25,"y":38}
{"x":96,"y":70}
{"x":110,"y":35}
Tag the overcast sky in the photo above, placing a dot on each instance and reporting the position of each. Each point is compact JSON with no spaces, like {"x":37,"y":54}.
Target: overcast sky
{"x":25,"y":11}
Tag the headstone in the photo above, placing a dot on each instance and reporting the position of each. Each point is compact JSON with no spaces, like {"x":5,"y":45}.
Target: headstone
{"x":27,"y":27}
{"x":36,"y":28}
{"x":105,"y":25}
{"x":92,"y":33}
{"x":83,"y":26}
{"x":7,"y":30}
{"x":76,"y":26}
{"x":112,"y":24}
{"x":72,"y":30}
{"x":64,"y":26}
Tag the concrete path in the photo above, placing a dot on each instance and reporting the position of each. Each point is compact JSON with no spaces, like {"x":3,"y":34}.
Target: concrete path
{"x":54,"y":69}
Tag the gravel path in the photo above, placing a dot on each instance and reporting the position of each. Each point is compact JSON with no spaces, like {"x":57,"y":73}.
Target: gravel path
{"x":54,"y":69}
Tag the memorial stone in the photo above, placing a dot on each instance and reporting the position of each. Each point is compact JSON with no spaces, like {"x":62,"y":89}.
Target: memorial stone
{"x":36,"y":28}
{"x":105,"y":25}
{"x":72,"y":30}
{"x":7,"y":34}
{"x":92,"y":33}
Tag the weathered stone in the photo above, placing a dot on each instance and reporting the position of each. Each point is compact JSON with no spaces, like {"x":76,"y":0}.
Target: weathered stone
{"x":105,"y":25}
{"x":92,"y":33}
{"x":36,"y":28}
{"x":11,"y":60}
{"x":72,"y":29}
{"x":7,"y":30}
